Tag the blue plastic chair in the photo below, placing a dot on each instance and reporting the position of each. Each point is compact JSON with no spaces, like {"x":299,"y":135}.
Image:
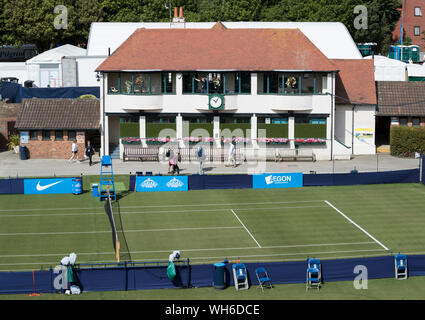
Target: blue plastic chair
{"x":240,"y":276}
{"x":264,"y":280}
{"x":313,"y":274}
{"x":400,"y":265}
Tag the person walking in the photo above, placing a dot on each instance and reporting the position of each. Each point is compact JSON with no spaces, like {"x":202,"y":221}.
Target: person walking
{"x":201,"y":158}
{"x":89,"y":152}
{"x":231,"y":161}
{"x":174,"y":161}
{"x":170,"y":155}
{"x":74,"y":150}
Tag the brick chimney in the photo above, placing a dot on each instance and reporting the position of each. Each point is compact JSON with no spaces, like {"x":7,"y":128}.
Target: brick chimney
{"x":178,"y":17}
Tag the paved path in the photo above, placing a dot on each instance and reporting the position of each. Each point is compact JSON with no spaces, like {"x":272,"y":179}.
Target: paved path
{"x":12,"y":166}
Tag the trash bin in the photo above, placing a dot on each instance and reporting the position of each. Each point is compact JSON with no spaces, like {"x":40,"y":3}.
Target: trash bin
{"x":95,"y":190}
{"x":23,"y":152}
{"x":219,"y":276}
{"x":77,"y":186}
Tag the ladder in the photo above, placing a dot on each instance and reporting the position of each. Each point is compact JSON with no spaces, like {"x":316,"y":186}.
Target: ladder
{"x":106,"y":179}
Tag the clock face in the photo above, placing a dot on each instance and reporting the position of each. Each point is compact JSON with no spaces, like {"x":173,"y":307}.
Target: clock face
{"x":216,"y":102}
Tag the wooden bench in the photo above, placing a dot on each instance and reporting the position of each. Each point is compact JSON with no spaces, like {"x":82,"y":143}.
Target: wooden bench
{"x":140,"y":153}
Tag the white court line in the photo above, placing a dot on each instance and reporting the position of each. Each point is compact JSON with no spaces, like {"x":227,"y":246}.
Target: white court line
{"x":152,"y":212}
{"x":274,"y":255}
{"x":351,"y":221}
{"x":164,"y":206}
{"x":192,"y":250}
{"x":109,"y":231}
{"x":245,"y":228}
{"x":200,"y":258}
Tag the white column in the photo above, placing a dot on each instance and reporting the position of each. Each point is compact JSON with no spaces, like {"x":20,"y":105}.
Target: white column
{"x":106,"y":132}
{"x":291,"y":131}
{"x":253,"y":127}
{"x":254,"y":84}
{"x":142,"y":129}
{"x":216,"y":131}
{"x":179,"y":84}
{"x":179,"y":126}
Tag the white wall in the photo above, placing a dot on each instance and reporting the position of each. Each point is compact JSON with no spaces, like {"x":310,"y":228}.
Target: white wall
{"x":86,"y":75}
{"x":355,"y":127}
{"x":14,"y":69}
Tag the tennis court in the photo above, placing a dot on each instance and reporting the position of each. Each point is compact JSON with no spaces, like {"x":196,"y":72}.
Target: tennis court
{"x":209,"y":226}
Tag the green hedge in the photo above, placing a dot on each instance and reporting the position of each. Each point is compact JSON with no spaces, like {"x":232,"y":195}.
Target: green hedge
{"x":405,"y":141}
{"x":305,"y":130}
{"x":209,"y":127}
{"x":153,"y":130}
{"x":274,"y":130}
{"x":236,"y":129}
{"x":129,"y":130}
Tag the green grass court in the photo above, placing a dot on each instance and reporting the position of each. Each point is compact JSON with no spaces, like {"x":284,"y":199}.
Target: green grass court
{"x":208,"y":226}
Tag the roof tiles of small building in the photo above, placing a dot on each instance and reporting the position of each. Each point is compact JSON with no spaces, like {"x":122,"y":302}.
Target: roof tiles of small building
{"x":217,"y":48}
{"x":355,"y":82}
{"x":401,"y":98}
{"x":72,"y":114}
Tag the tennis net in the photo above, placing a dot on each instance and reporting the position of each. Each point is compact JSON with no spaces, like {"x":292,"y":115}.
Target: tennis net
{"x":119,"y":242}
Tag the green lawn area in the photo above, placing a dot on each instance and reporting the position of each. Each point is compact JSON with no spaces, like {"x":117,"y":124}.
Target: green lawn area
{"x":36,"y":231}
{"x":378,"y":289}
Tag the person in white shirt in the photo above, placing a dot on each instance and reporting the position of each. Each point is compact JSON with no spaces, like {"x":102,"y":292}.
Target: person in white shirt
{"x":231,"y":161}
{"x":74,"y":150}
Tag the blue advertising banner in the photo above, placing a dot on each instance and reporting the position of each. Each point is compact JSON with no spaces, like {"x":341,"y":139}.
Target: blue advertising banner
{"x":277,"y":180}
{"x":161,"y":183}
{"x":48,"y":186}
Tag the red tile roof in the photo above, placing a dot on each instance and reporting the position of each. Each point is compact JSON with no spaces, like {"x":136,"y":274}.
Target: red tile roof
{"x":355,"y":82}
{"x":217,"y":48}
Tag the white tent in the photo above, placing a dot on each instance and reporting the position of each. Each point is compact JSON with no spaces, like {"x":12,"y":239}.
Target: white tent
{"x":332,"y":38}
{"x":416,"y":70}
{"x":45,"y":69}
{"x":387,"y":69}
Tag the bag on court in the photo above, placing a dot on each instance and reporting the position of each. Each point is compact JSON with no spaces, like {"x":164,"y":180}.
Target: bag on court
{"x":171,"y":271}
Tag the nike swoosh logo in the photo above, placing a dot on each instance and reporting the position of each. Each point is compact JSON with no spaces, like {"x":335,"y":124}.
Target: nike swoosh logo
{"x":41,"y":188}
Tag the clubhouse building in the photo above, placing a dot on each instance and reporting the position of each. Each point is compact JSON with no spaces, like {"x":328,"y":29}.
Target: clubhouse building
{"x":300,"y":87}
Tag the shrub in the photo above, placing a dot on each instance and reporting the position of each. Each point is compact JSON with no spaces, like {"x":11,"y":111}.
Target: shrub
{"x":405,"y":141}
{"x":14,"y":140}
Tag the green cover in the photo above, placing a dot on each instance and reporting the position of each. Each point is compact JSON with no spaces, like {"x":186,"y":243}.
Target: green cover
{"x":171,"y":271}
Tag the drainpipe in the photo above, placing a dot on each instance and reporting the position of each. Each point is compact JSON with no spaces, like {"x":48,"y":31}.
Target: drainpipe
{"x":352,"y":132}
{"x":332,"y":116}
{"x":103,"y":115}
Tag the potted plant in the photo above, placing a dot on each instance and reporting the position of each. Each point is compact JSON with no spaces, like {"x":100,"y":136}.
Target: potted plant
{"x":13,"y":143}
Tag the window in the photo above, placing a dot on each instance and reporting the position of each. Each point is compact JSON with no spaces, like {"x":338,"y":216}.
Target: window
{"x":72,"y":135}
{"x":168,"y":82}
{"x":418,"y":11}
{"x":46,"y":135}
{"x":416,"y":122}
{"x":129,"y":119}
{"x":417,"y":31}
{"x":59,"y":135}
{"x":113,"y":83}
{"x":33,"y":135}
{"x":403,"y":121}
{"x":279,"y":120}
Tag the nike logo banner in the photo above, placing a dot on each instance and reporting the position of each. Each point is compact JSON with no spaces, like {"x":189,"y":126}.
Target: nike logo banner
{"x":48,"y":186}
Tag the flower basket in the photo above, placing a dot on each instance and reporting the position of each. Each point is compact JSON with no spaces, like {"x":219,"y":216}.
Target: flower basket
{"x":273,"y":141}
{"x":310,"y":141}
{"x":159,"y":140}
{"x":131,"y":140}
